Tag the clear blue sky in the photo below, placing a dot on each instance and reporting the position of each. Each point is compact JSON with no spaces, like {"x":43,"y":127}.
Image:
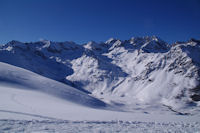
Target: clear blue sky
{"x":98,"y":20}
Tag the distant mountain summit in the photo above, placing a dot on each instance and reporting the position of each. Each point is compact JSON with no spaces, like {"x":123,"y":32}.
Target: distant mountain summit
{"x":139,"y":70}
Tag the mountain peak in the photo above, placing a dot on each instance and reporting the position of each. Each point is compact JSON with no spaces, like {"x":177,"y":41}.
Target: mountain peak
{"x":194,"y":40}
{"x":46,"y":43}
{"x":13,"y":42}
{"x":91,"y":42}
{"x":110,"y":40}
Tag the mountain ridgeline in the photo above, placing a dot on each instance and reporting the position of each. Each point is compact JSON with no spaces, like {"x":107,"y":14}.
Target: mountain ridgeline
{"x":143,"y":69}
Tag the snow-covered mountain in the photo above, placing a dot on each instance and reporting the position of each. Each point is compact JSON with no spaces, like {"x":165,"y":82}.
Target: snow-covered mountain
{"x":139,"y":71}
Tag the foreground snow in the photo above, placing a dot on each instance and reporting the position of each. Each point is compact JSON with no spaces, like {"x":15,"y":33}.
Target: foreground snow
{"x":47,"y":126}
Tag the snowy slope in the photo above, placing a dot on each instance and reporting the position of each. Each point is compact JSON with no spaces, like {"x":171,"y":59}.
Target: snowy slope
{"x":12,"y":75}
{"x":142,"y":71}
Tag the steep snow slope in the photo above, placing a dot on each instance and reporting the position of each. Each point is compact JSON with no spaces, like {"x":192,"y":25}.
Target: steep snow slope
{"x":154,"y":72}
{"x":12,"y":75}
{"x":140,"y":71}
{"x":158,"y":77}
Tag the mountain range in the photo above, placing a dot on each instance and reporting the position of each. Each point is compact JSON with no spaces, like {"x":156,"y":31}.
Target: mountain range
{"x":142,"y":72}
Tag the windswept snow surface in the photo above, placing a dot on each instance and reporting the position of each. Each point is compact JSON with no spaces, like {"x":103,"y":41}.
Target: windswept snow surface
{"x":47,"y":126}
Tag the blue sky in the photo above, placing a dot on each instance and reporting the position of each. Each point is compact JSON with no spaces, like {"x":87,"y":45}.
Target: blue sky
{"x":98,"y":20}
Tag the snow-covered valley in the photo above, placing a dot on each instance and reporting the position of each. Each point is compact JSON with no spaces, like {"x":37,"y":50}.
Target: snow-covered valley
{"x":136,"y":85}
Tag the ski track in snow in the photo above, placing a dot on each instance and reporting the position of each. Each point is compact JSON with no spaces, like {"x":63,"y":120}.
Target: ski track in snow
{"x":28,"y":114}
{"x":13,"y":98}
